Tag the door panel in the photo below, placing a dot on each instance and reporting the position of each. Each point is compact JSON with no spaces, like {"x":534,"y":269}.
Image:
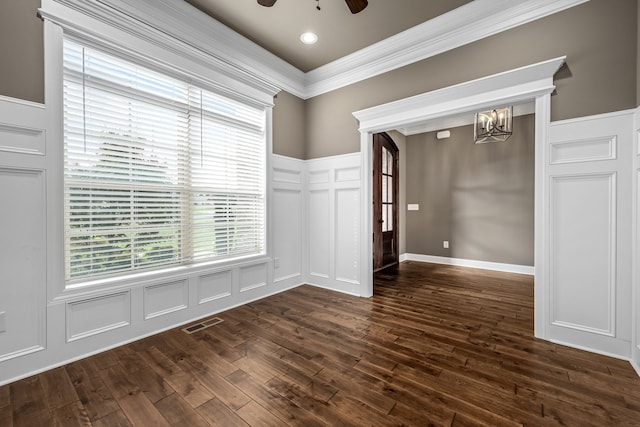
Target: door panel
{"x":385,"y":201}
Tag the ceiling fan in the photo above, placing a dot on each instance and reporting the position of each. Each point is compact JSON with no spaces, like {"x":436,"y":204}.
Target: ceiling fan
{"x":355,"y":6}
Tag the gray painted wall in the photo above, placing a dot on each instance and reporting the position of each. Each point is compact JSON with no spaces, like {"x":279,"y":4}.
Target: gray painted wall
{"x":478,"y":197}
{"x":599,"y":38}
{"x":289,"y":125}
{"x":21,"y":50}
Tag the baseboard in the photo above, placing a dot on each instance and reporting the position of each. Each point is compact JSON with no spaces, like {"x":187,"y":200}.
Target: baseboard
{"x":485,"y":265}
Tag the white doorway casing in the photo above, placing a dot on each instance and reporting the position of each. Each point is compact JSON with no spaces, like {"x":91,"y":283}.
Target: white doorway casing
{"x":518,"y":86}
{"x":586,"y":199}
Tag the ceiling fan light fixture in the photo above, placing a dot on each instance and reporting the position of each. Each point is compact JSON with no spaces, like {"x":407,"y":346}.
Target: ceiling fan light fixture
{"x":308,"y":37}
{"x":356,"y":6}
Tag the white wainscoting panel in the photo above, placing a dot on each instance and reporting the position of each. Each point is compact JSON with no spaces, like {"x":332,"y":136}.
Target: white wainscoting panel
{"x":347,"y":235}
{"x":334,"y":218}
{"x":291,"y":176}
{"x":319,"y":234}
{"x":589,"y":217}
{"x":253,"y":277}
{"x":320,"y":176}
{"x":22,"y":261}
{"x":583,"y":256}
{"x":165,"y":298}
{"x":288,"y":208}
{"x":215,"y":286}
{"x":288,"y":221}
{"x":583,"y":151}
{"x":95,"y":315}
{"x":22,"y":139}
{"x":347,"y":174}
{"x":21,"y":127}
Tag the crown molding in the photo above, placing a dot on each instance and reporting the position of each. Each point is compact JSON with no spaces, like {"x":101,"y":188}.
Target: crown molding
{"x":464,"y":25}
{"x":181,"y":28}
{"x":159,"y":21}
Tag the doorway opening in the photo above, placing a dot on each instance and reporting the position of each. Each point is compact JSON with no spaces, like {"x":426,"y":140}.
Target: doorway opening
{"x":521,"y":85}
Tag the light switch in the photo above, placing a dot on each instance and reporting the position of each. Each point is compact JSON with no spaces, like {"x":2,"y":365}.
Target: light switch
{"x":3,"y":322}
{"x":413,"y":207}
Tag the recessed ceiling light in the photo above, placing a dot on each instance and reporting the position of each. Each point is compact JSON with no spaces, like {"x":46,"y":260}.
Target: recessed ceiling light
{"x":308,"y":38}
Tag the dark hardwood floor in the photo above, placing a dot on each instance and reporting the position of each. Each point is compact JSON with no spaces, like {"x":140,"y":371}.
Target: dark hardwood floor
{"x":436,"y":345}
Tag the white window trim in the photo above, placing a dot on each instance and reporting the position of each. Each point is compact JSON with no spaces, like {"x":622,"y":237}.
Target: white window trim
{"x":158,"y":50}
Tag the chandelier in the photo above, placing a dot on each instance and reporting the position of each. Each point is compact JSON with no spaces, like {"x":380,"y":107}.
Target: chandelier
{"x":493,"y":126}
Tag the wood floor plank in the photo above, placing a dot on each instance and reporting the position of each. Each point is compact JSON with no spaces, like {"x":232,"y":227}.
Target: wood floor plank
{"x":72,"y":415}
{"x":218,"y":414}
{"x":58,"y":389}
{"x":6,"y":417}
{"x":256,"y":415}
{"x":185,"y":383}
{"x":283,"y":408}
{"x":138,"y":371}
{"x":140,"y":411}
{"x":113,"y":419}
{"x":436,"y":345}
{"x":91,"y":390}
{"x":28,"y":403}
{"x":5,"y":396}
{"x":178,"y":412}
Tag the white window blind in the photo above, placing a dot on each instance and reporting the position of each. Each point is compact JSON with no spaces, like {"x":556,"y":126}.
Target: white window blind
{"x":158,"y":172}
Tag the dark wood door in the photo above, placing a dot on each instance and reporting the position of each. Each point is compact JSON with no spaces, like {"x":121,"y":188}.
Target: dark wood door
{"x":385,"y":202}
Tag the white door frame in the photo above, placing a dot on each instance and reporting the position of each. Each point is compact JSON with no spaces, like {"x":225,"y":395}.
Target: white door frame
{"x":530,"y":83}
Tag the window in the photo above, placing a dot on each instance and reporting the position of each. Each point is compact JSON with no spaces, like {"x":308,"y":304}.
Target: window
{"x":158,"y":172}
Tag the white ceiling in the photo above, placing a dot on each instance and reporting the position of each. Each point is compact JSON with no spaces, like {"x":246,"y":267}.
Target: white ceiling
{"x":340,"y":33}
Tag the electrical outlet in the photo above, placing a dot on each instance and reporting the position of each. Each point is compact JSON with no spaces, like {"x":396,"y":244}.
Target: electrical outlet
{"x":445,"y":244}
{"x":276,"y":262}
{"x":3,"y":322}
{"x":413,"y":207}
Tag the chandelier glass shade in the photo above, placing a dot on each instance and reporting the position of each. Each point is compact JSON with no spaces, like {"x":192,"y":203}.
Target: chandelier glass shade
{"x":493,"y":126}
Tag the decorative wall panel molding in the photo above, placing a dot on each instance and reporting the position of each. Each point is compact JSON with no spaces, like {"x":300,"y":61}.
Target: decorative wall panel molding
{"x":334,"y":212}
{"x":589,"y":212}
{"x":165,"y":298}
{"x":215,"y":286}
{"x":288,"y":214}
{"x":20,"y":139}
{"x":347,"y":235}
{"x":319,"y":233}
{"x":583,"y":151}
{"x":22,"y":261}
{"x":253,"y":277}
{"x":318,"y":176}
{"x":583,"y":258}
{"x":22,"y":126}
{"x":286,"y":175}
{"x":347,"y":174}
{"x":96,"y":315}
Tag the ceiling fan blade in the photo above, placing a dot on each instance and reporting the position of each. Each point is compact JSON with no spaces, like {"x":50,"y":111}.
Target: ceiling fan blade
{"x":267,"y":3}
{"x":356,"y":5}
